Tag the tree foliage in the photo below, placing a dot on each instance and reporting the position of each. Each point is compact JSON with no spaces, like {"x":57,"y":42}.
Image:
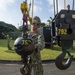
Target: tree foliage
{"x":43,"y":24}
{"x":6,"y":28}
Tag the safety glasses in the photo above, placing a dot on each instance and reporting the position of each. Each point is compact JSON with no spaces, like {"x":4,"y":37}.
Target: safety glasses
{"x":35,"y":24}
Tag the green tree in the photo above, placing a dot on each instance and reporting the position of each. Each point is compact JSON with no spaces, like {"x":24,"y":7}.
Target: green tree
{"x":6,"y":28}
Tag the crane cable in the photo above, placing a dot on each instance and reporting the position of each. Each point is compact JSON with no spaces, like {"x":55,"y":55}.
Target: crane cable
{"x":32,"y":9}
{"x":54,"y":6}
{"x":64,"y":4}
{"x":73,"y":5}
{"x":57,"y":5}
{"x":29,"y":5}
{"x":55,"y":2}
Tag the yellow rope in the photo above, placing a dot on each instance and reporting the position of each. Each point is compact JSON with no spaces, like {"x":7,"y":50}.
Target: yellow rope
{"x":32,"y":13}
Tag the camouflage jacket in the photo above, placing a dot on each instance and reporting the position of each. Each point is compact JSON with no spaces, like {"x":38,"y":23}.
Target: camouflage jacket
{"x":39,"y":43}
{"x":38,"y":39}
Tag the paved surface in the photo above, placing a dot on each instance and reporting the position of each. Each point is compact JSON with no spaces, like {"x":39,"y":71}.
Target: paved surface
{"x":49,"y":69}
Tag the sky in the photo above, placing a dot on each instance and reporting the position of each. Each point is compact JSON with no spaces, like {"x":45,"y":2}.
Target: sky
{"x":10,"y":10}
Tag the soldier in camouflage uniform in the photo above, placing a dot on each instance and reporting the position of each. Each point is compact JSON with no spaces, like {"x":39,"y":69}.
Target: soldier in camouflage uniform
{"x":37,"y":35}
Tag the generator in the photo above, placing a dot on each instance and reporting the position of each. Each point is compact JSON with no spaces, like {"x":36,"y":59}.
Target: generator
{"x":47,"y":35}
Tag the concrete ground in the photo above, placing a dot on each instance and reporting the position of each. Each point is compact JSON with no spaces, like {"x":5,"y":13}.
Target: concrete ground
{"x":49,"y":69}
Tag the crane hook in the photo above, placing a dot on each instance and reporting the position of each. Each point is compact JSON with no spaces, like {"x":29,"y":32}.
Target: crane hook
{"x":59,"y":60}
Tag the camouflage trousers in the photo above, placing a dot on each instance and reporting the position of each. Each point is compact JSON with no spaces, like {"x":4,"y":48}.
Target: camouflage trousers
{"x":37,"y":69}
{"x":32,"y":69}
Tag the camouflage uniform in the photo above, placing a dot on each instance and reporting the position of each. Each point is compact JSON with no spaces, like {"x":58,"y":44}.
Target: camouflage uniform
{"x":39,"y":43}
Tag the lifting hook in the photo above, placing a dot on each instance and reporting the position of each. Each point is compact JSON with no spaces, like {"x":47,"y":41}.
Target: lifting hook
{"x":59,"y":60}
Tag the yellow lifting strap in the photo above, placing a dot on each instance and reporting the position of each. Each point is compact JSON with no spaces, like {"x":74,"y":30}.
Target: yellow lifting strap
{"x":25,"y":10}
{"x":24,"y":7}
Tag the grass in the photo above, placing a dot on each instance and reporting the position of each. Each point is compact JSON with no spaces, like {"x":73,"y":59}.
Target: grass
{"x":6,"y":54}
{"x":46,"y":53}
{"x":52,"y":54}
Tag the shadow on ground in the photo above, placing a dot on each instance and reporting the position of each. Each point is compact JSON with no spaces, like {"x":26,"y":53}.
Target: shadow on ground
{"x":10,"y":51}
